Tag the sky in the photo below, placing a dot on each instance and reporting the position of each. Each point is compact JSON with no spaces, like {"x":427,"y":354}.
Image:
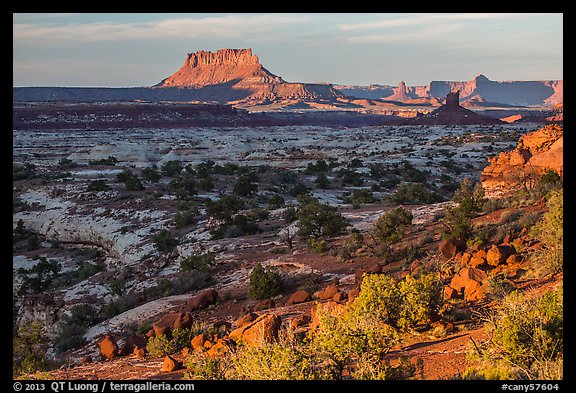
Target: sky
{"x":141,"y":49}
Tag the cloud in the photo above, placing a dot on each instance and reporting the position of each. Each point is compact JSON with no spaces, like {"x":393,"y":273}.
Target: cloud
{"x":429,"y":33}
{"x":219,"y":26}
{"x":421,"y":19}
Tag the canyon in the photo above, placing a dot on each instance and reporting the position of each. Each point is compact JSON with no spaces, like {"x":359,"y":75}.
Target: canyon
{"x":150,"y":209}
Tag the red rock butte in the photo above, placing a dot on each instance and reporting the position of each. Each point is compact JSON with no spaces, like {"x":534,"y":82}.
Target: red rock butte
{"x":205,"y":68}
{"x":240,"y":71}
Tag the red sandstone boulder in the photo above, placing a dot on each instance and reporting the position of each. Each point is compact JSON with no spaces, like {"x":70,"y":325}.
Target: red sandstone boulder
{"x":219,"y":348}
{"x":202,"y":300}
{"x":108,"y":347}
{"x":353,"y":294}
{"x":246,"y":319}
{"x":297,"y":297}
{"x":198,"y":341}
{"x":171,"y":321}
{"x":299,"y":321}
{"x":264,"y":304}
{"x":449,"y":248}
{"x":171,"y":364}
{"x":498,"y":254}
{"x":256,"y":333}
{"x":340,"y":297}
{"x":328,"y":292}
{"x":468,"y":282}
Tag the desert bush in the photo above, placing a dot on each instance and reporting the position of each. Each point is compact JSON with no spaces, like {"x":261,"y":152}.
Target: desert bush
{"x":322,"y":181}
{"x":389,"y":228}
{"x":160,"y":346}
{"x":203,"y":367}
{"x":527,"y":339}
{"x":73,"y":325}
{"x":225,"y":207}
{"x":151,"y":174}
{"x":317,"y":244}
{"x":39,"y":277}
{"x":317,"y":220}
{"x":402,"y":305}
{"x":165,"y":242}
{"x":414,"y":194}
{"x":289,"y":215}
{"x":118,"y":306}
{"x":171,"y":168}
{"x":88,"y":269}
{"x":97,"y":185}
{"x":246,"y":186}
{"x":186,"y":217}
{"x":202,"y":263}
{"x":285,"y":359}
{"x":275,"y":201}
{"x":28,"y":349}
{"x":550,"y":230}
{"x":264,"y":282}
{"x":110,"y":161}
{"x":363,"y":196}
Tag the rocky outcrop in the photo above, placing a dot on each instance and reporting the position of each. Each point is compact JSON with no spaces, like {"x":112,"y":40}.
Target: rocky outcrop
{"x":262,"y":330}
{"x":205,"y":68}
{"x":479,"y":89}
{"x":202,"y":300}
{"x":451,"y":113}
{"x":536,"y":153}
{"x":237,"y":75}
{"x":108,"y":347}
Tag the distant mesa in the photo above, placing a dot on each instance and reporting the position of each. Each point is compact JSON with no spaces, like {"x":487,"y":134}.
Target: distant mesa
{"x":451,"y":113}
{"x":479,"y":91}
{"x":237,"y":75}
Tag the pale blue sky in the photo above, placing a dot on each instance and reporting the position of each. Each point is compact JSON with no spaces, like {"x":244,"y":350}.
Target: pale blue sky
{"x":124,"y":50}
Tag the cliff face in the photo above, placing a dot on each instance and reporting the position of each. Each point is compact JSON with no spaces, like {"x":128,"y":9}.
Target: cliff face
{"x":504,"y":92}
{"x":536,"y":153}
{"x":239,"y":71}
{"x":205,"y":68}
{"x":451,"y":113}
{"x":479,"y":89}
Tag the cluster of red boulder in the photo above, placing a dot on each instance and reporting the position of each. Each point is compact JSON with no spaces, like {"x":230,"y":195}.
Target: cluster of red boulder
{"x":478,"y":264}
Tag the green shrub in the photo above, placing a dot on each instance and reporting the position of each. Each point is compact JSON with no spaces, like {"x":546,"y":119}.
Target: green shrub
{"x":165,"y":242}
{"x":246,"y":186}
{"x":317,"y":244}
{"x":550,"y":230}
{"x":201,"y":263}
{"x":276,"y":201}
{"x":202,"y":367}
{"x":283,"y":360}
{"x":28,"y":349}
{"x":171,"y":168}
{"x":527,"y":339}
{"x":225,"y":207}
{"x":404,"y":304}
{"x":264,"y":282}
{"x":363,"y":196}
{"x":111,"y":161}
{"x":186,"y":217}
{"x":389,"y":228}
{"x":316,"y":220}
{"x":39,"y":277}
{"x":151,"y":174}
{"x":160,"y":346}
{"x":97,"y":185}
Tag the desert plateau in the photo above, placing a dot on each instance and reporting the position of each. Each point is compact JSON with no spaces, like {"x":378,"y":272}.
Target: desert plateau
{"x":225,"y":224}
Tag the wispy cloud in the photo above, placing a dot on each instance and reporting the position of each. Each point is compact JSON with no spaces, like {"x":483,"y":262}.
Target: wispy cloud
{"x":421,"y":20}
{"x":428,"y":33}
{"x":219,"y":26}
